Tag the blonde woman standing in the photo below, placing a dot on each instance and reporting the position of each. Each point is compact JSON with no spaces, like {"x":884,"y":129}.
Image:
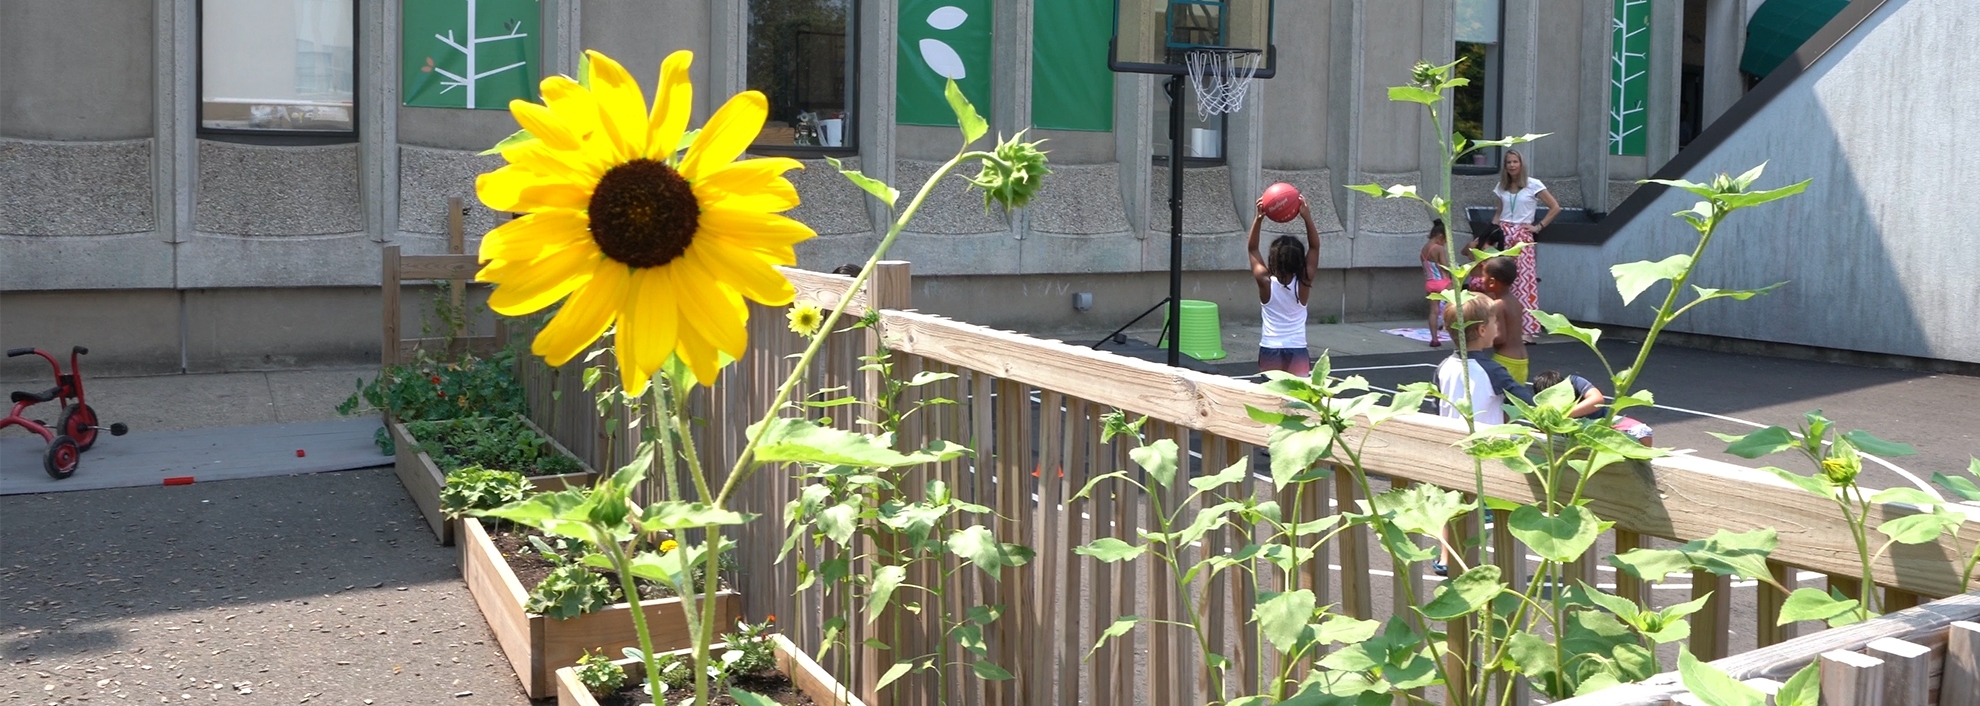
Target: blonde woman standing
{"x":1519,"y":198}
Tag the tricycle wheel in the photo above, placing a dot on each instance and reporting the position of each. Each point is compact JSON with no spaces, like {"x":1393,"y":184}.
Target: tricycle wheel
{"x":79,"y":423}
{"x":62,"y":458}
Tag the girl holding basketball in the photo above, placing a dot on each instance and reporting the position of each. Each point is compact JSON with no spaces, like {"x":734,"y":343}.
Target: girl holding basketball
{"x":1285,"y":279}
{"x":1519,"y":197}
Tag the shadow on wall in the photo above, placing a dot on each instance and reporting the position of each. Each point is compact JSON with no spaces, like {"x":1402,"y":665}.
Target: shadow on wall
{"x":1866,"y":251}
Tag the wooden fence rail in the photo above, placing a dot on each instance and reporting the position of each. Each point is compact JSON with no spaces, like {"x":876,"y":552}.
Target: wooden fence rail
{"x":1031,"y":412}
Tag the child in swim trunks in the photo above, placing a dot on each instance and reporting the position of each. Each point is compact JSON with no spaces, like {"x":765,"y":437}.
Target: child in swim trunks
{"x":1508,"y":350}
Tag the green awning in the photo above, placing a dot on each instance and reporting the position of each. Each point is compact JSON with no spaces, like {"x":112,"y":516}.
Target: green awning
{"x":1780,"y":27}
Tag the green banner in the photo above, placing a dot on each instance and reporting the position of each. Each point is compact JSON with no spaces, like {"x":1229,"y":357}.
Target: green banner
{"x":941,"y":40}
{"x":476,"y":54}
{"x":1071,"y":87}
{"x":1629,"y":77}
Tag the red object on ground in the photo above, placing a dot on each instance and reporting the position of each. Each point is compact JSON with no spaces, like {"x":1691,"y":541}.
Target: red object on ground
{"x":299,"y":453}
{"x":179,"y":480}
{"x":1281,"y":202}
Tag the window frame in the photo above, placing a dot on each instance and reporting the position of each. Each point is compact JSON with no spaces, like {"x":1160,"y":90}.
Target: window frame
{"x":282,"y":137}
{"x":1492,"y":124}
{"x":1223,"y":132}
{"x":855,"y":83}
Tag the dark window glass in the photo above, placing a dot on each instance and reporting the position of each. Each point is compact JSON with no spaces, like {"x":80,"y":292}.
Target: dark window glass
{"x":801,"y":56}
{"x":280,"y":65}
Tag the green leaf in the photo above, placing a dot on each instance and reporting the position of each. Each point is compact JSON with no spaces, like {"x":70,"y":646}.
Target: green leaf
{"x":1724,"y":553}
{"x":988,"y":671}
{"x":1464,"y":595}
{"x":1816,"y":484}
{"x":1510,"y":141}
{"x":897,"y":671}
{"x":1912,"y":496}
{"x":1282,"y":618}
{"x":1558,"y":324}
{"x":1532,"y":656}
{"x":1755,"y":198}
{"x":1920,"y":528}
{"x":885,"y":581}
{"x":984,"y":614}
{"x":1623,"y":608}
{"x":1634,"y":277}
{"x":1705,"y":293}
{"x":1207,"y":519}
{"x":675,"y":514}
{"x":1813,"y":604}
{"x":1374,"y":190}
{"x":1636,"y":398}
{"x":1158,"y":459}
{"x":1870,"y":444}
{"x":1421,"y":509}
{"x":1770,"y":440}
{"x":1110,"y":550}
{"x":1235,"y":473}
{"x":1562,"y":537}
{"x":1296,"y":449}
{"x":1345,"y":630}
{"x":1802,"y":689}
{"x":745,"y":698}
{"x":514,"y":139}
{"x":973,"y":125}
{"x":1713,"y":686}
{"x":1960,"y":486}
{"x":869,"y":184}
{"x":981,"y":549}
{"x":1088,"y":488}
{"x":1120,"y":627}
{"x":1413,"y":94}
{"x":839,"y":522}
{"x":785,"y":439}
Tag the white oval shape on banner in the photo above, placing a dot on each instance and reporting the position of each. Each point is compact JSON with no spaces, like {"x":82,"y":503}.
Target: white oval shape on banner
{"x":947,"y":17}
{"x":943,"y":59}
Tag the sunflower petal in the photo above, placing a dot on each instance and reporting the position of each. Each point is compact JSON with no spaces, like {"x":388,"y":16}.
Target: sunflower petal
{"x":585,"y":317}
{"x":502,"y":189}
{"x":720,"y":314}
{"x":727,"y":134}
{"x":574,"y":105}
{"x":658,"y":322}
{"x":771,"y":196}
{"x":626,"y":342}
{"x":525,"y":287}
{"x":754,"y":226}
{"x":750,"y":175}
{"x":553,"y":163}
{"x":770,"y":253}
{"x":621,"y":106}
{"x":673,"y":103}
{"x":700,"y":356}
{"x":749,"y":275}
{"x":527,"y":238}
{"x":545,"y":124}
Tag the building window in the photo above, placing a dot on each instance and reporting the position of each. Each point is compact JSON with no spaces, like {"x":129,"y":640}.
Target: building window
{"x":277,"y":65}
{"x":803,"y":57}
{"x":1203,"y":137}
{"x":1475,"y":107}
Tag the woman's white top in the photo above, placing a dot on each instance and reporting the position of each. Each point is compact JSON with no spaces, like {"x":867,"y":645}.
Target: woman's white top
{"x":1285,"y":317}
{"x":1519,"y":207}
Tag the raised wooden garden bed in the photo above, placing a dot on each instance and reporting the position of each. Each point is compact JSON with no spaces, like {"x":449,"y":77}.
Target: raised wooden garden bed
{"x":423,"y":479}
{"x":538,"y":646}
{"x":803,"y":671}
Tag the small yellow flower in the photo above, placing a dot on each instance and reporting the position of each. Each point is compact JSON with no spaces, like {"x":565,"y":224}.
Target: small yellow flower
{"x":805,"y":319}
{"x":669,"y":545}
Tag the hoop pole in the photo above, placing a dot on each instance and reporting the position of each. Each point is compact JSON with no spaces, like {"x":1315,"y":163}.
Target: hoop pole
{"x":1175,"y":218}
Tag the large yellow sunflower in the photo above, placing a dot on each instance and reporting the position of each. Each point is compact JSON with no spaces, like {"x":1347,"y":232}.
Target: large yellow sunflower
{"x":664,"y":244}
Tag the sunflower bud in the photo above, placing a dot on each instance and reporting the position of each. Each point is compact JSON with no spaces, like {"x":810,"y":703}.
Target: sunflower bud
{"x":1014,"y":175}
{"x":1425,"y":74}
{"x":1842,"y":465}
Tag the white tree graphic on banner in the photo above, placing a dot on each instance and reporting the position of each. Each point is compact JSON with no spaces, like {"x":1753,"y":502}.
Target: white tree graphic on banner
{"x":1628,"y":82}
{"x":468,"y":48}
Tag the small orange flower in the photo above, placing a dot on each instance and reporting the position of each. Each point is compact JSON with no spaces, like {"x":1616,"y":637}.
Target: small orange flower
{"x":769,"y":618}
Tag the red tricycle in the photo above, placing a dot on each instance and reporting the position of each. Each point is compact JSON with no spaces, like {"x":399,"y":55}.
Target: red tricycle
{"x":76,"y":430}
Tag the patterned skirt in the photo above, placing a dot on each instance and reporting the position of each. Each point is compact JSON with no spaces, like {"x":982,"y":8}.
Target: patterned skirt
{"x":1527,"y":285}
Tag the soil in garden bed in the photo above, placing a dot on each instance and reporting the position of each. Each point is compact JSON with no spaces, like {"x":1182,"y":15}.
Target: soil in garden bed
{"x":772,"y":684}
{"x":531,"y":568}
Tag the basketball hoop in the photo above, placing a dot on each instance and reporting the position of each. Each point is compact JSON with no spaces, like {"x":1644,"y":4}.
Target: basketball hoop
{"x":1220,"y":76}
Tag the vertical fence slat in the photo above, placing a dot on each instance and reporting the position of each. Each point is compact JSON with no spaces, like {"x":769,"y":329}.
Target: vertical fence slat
{"x":1104,"y":674}
{"x":1128,"y":512}
{"x":1043,"y":578}
{"x":1959,"y":684}
{"x":1352,"y":544}
{"x":1072,"y":594}
{"x":1769,"y":602}
{"x":1852,"y":678}
{"x":1907,"y":670}
{"x":1215,"y":600}
{"x":1710,"y":636}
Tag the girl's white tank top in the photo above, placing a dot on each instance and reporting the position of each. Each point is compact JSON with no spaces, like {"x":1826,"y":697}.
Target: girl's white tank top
{"x":1285,"y":317}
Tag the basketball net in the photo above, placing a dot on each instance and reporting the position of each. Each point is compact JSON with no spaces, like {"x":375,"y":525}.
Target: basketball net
{"x":1220,"y":79}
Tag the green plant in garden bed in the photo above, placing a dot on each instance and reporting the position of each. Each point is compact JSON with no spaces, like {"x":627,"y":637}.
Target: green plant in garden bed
{"x":1476,"y":634}
{"x":473,"y":489}
{"x":430,"y":387}
{"x":491,"y":442}
{"x":599,"y":674}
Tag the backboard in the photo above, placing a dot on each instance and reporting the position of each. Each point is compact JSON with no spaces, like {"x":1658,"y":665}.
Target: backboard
{"x":1155,"y":36}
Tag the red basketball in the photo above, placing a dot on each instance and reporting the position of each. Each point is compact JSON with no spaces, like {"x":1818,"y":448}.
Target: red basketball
{"x":1281,"y":202}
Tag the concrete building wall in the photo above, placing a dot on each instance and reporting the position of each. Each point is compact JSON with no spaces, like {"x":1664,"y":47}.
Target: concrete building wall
{"x":102,"y":161}
{"x":1873,"y":259}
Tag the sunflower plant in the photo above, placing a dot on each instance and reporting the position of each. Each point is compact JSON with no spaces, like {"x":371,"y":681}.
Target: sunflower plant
{"x":659,"y":236}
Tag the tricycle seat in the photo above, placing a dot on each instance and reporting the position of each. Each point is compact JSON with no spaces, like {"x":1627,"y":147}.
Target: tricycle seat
{"x":20,"y":396}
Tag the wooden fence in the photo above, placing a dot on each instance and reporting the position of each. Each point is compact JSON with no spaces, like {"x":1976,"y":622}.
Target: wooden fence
{"x":1031,"y":411}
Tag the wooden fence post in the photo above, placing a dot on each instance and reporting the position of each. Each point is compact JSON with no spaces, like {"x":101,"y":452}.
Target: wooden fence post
{"x":1960,"y":684}
{"x":1852,"y":678}
{"x":1907,"y":670}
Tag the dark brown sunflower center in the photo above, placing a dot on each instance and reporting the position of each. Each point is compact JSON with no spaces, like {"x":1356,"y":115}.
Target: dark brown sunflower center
{"x":643,"y":213}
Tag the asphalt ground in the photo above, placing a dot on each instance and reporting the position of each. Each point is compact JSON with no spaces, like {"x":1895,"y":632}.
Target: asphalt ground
{"x":1701,"y":391}
{"x":309,"y":589}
